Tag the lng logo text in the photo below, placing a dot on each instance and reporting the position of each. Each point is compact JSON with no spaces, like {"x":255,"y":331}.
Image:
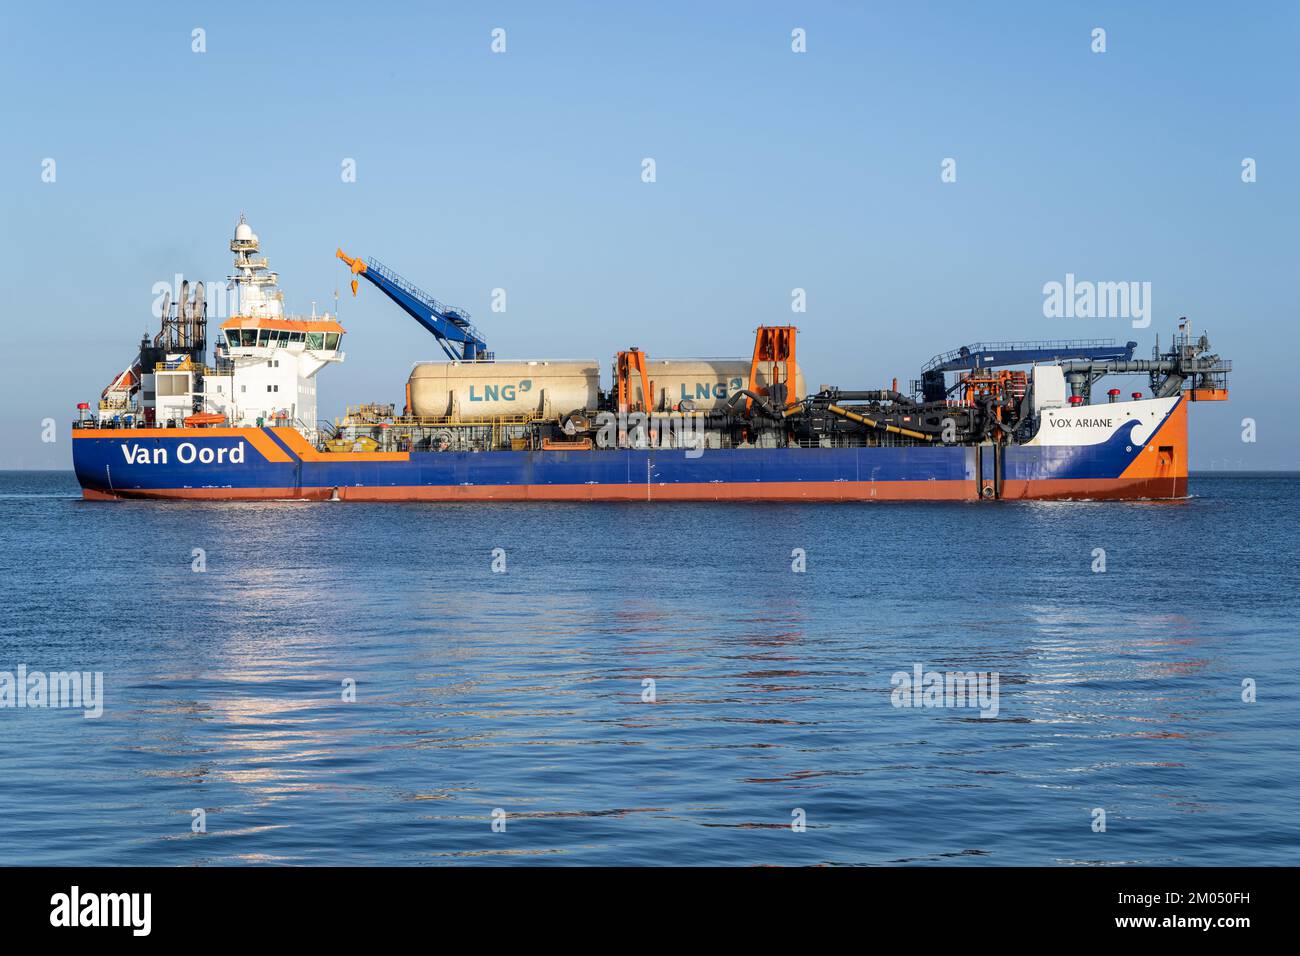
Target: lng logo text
{"x":186,"y":453}
{"x":504,"y":393}
{"x":705,"y":390}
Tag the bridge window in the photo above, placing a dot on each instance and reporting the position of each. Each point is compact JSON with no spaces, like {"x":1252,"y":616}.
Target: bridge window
{"x":331,"y":340}
{"x":315,"y":340}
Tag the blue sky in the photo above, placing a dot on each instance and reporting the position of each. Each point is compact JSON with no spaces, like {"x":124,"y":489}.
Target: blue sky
{"x":775,"y":170}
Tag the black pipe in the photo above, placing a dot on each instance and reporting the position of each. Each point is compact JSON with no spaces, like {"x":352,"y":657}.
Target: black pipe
{"x":758,"y":400}
{"x":876,"y":395}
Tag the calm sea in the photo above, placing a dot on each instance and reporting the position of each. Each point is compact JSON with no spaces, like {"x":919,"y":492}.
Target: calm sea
{"x":768,"y":736}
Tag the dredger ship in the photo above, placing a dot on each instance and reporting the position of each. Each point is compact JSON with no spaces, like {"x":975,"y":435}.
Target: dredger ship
{"x":985,"y":422}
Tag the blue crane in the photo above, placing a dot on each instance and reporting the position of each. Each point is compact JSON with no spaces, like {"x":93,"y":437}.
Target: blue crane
{"x":1002,"y":354}
{"x":450,"y":326}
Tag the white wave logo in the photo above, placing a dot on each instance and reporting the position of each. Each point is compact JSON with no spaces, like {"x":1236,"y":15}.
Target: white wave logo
{"x":1145,"y":428}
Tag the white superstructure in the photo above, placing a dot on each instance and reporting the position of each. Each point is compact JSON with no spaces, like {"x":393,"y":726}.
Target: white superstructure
{"x":267,"y":361}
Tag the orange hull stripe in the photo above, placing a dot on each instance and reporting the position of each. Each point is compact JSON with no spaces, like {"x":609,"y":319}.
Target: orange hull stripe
{"x":198,"y":494}
{"x":753,"y":491}
{"x":304,"y":450}
{"x":766,"y":491}
{"x":1093,"y":488}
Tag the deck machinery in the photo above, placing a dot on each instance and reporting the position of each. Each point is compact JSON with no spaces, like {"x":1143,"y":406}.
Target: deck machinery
{"x":978,"y":393}
{"x":988,"y":400}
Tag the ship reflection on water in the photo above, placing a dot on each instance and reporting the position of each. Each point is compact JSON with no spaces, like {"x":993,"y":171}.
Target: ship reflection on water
{"x":358,"y":685}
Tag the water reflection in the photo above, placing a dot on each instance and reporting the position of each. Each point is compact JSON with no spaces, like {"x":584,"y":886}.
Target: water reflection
{"x":524,"y":691}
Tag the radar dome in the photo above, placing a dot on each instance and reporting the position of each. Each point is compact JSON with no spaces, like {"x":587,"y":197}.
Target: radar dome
{"x":243,"y":232}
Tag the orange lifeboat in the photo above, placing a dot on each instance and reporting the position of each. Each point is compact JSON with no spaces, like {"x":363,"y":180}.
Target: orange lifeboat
{"x":204,"y":418}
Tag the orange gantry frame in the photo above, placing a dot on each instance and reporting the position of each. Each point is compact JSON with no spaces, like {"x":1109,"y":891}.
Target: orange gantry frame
{"x":995,"y":383}
{"x":626,"y":364}
{"x":775,"y":344}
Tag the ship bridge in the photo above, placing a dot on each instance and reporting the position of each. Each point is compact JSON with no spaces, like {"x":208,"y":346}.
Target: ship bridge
{"x":297,"y":334}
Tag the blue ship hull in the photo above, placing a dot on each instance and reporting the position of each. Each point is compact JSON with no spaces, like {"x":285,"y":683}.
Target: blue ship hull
{"x":270,"y":463}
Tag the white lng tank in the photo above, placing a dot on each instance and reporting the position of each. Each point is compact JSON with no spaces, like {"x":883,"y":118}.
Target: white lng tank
{"x":707,"y":383}
{"x":549,"y":389}
{"x":475,"y":391}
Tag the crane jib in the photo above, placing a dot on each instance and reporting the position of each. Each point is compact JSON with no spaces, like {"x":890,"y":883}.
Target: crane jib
{"x":449,"y":325}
